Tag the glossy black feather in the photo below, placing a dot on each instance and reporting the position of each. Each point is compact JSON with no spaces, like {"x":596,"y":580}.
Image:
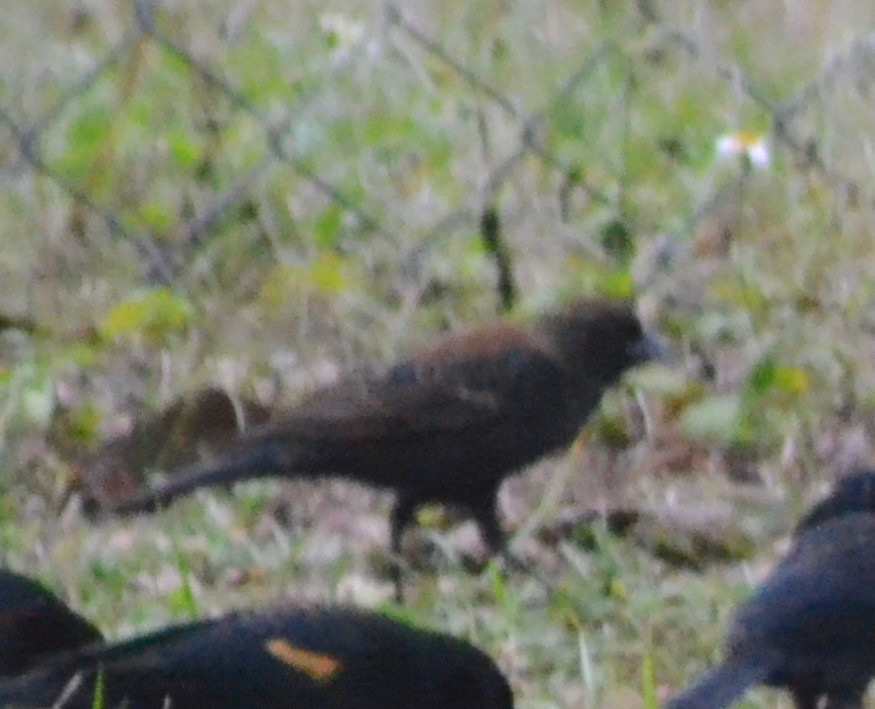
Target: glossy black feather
{"x":853,"y":493}
{"x":316,"y":658}
{"x":35,"y":624}
{"x":810,"y":627}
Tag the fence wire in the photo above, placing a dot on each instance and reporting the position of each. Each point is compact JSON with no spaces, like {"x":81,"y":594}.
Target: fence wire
{"x":506,"y":138}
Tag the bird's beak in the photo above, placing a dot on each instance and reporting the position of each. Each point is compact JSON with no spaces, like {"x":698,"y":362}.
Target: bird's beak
{"x":649,"y":347}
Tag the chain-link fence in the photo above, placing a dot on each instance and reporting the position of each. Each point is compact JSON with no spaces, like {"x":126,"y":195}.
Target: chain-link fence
{"x":256,"y":161}
{"x":166,"y":124}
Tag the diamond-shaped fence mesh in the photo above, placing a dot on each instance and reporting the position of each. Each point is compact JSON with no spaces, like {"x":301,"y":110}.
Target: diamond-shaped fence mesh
{"x":382,"y":155}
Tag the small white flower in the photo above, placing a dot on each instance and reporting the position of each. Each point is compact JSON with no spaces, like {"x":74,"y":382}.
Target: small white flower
{"x":746,"y":144}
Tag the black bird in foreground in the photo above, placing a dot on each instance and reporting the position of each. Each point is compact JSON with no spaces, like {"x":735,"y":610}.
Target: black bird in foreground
{"x":809,"y":628}
{"x":853,"y":493}
{"x":35,"y":624}
{"x":319,"y":658}
{"x":450,"y":423}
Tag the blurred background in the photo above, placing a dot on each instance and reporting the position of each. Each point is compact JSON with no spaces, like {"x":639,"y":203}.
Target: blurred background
{"x":252,"y":196}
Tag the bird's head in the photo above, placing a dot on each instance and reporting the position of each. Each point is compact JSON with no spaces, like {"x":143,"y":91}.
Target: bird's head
{"x":598,"y":340}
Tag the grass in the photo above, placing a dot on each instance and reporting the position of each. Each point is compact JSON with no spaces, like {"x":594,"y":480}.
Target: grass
{"x":761,"y":277}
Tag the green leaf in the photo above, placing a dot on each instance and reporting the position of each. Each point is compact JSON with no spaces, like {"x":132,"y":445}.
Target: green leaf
{"x":183,"y":599}
{"x":156,"y":216}
{"x":768,"y":375}
{"x":83,"y":353}
{"x":763,"y":376}
{"x":85,"y":138}
{"x":326,"y":230}
{"x":792,"y":380}
{"x":183,"y":148}
{"x":83,"y":423}
{"x":618,"y":284}
{"x":648,"y":683}
{"x":98,"y":701}
{"x":153,"y":315}
{"x":326,"y":274}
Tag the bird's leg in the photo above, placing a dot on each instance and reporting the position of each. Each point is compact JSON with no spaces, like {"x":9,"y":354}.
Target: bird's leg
{"x":495,"y":538}
{"x":490,"y":529}
{"x":497,"y":542}
{"x":402,"y":515}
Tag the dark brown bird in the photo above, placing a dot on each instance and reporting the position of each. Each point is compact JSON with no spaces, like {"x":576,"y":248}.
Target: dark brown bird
{"x":450,"y":423}
{"x":809,"y":628}
{"x":307,"y":658}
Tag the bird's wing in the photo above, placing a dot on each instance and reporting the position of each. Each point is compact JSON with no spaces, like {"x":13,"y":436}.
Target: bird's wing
{"x":463,"y":394}
{"x":820,"y":595}
{"x":421,"y":398}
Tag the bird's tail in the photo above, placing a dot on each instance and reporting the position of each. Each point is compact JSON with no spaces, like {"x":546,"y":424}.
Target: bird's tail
{"x":723,"y":685}
{"x":242,"y":465}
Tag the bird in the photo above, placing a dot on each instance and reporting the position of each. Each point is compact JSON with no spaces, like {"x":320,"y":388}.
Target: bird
{"x":35,"y":624}
{"x":302,"y":657}
{"x":447,"y":424}
{"x":809,"y":628}
{"x":853,"y":493}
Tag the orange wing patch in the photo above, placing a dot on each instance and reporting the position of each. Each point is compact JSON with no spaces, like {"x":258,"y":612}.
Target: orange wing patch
{"x":321,"y":668}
